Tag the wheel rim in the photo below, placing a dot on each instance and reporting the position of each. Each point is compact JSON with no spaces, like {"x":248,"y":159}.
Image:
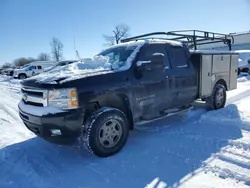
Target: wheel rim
{"x":220,"y":98}
{"x":22,"y":77}
{"x":110,"y":133}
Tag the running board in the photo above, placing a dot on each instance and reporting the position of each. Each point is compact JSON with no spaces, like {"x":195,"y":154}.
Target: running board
{"x":170,"y":113}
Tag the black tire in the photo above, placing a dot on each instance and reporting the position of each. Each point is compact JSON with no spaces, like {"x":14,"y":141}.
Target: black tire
{"x":22,"y":76}
{"x":92,"y":136}
{"x":215,"y":102}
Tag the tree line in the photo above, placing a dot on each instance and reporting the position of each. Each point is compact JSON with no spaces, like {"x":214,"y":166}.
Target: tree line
{"x":56,"y":54}
{"x":119,"y":32}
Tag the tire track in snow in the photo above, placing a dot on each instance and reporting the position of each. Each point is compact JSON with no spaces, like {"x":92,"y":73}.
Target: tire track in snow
{"x":40,"y":165}
{"x":224,"y":169}
{"x":233,"y":161}
{"x":10,"y":112}
{"x":238,"y":97}
{"x":237,"y":152}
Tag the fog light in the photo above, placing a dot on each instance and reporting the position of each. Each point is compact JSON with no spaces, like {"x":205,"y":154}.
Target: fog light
{"x":55,"y":132}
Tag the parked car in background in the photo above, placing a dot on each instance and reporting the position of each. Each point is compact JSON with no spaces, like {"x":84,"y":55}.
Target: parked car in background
{"x":243,"y":61}
{"x":9,"y":72}
{"x":60,"y":64}
{"x":32,"y":69}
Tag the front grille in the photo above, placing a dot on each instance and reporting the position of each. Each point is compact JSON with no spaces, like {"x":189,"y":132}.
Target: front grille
{"x":33,"y":103}
{"x":35,"y":97}
{"x":34,"y":93}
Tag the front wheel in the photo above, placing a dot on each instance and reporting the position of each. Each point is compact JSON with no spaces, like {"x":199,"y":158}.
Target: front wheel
{"x":22,"y":76}
{"x":107,"y":132}
{"x":218,"y":98}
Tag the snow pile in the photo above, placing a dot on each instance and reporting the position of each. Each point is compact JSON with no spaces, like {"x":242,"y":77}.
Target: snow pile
{"x":91,"y":66}
{"x":244,"y":78}
{"x":9,"y":80}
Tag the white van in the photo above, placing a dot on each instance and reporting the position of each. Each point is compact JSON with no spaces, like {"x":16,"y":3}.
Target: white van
{"x":32,"y":69}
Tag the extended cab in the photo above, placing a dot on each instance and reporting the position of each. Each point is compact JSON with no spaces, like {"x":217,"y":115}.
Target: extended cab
{"x":146,"y":79}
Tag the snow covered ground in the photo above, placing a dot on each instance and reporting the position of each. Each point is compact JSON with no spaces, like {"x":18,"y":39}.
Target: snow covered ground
{"x":196,"y":149}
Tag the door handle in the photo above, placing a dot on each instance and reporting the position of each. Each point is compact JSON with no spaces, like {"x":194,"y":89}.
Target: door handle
{"x":177,"y":93}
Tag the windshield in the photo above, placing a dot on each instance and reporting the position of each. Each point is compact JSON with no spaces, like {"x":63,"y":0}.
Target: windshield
{"x":118,"y":54}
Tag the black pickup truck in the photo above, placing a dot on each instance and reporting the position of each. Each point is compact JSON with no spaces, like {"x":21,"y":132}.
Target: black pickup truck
{"x":154,"y":77}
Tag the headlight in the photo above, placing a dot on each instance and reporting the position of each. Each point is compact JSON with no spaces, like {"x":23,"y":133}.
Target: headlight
{"x":63,"y":98}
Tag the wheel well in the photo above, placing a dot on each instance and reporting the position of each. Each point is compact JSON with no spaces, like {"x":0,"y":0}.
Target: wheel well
{"x":22,"y":74}
{"x":222,"y":82}
{"x":119,"y":101}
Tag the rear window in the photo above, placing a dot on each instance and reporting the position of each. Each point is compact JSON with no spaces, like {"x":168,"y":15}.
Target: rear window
{"x":178,"y":57}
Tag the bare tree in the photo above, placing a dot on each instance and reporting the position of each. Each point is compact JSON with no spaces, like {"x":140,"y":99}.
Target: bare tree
{"x":56,"y":49}
{"x":119,"y":32}
{"x":43,"y":57}
{"x":23,"y":61}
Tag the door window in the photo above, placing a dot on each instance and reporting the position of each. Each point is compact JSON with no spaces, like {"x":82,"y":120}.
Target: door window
{"x":32,"y":68}
{"x":62,"y":64}
{"x":147,"y":52}
{"x":178,"y":57}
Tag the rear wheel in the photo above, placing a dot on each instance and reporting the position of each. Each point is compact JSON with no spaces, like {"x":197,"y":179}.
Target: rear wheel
{"x":107,"y":132}
{"x":218,"y":98}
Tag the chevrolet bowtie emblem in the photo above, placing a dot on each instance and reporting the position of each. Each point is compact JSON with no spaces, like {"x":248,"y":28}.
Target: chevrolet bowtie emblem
{"x":25,"y":97}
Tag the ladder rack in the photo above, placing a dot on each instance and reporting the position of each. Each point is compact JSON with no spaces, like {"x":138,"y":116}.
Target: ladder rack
{"x":192,"y":38}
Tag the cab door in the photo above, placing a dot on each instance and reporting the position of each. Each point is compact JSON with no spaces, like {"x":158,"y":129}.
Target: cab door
{"x":182,"y":76}
{"x":150,"y":91}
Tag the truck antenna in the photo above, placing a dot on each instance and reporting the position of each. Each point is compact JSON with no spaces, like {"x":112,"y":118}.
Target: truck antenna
{"x":77,"y":55}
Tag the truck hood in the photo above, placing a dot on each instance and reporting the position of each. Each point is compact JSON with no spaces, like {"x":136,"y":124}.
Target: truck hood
{"x":61,"y":77}
{"x":73,"y":71}
{"x":19,"y":70}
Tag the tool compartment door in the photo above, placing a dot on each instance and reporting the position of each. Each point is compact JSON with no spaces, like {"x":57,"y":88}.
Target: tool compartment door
{"x":206,"y":75}
{"x":221,"y":63}
{"x":233,"y":72}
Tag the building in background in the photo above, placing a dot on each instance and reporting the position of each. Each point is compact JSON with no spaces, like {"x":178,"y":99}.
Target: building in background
{"x":241,"y":42}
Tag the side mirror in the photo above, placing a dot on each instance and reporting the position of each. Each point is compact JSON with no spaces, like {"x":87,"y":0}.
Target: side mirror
{"x":156,"y":63}
{"x":157,"y":58}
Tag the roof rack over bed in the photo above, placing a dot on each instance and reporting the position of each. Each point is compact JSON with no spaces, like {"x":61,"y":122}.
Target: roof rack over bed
{"x":192,"y":38}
